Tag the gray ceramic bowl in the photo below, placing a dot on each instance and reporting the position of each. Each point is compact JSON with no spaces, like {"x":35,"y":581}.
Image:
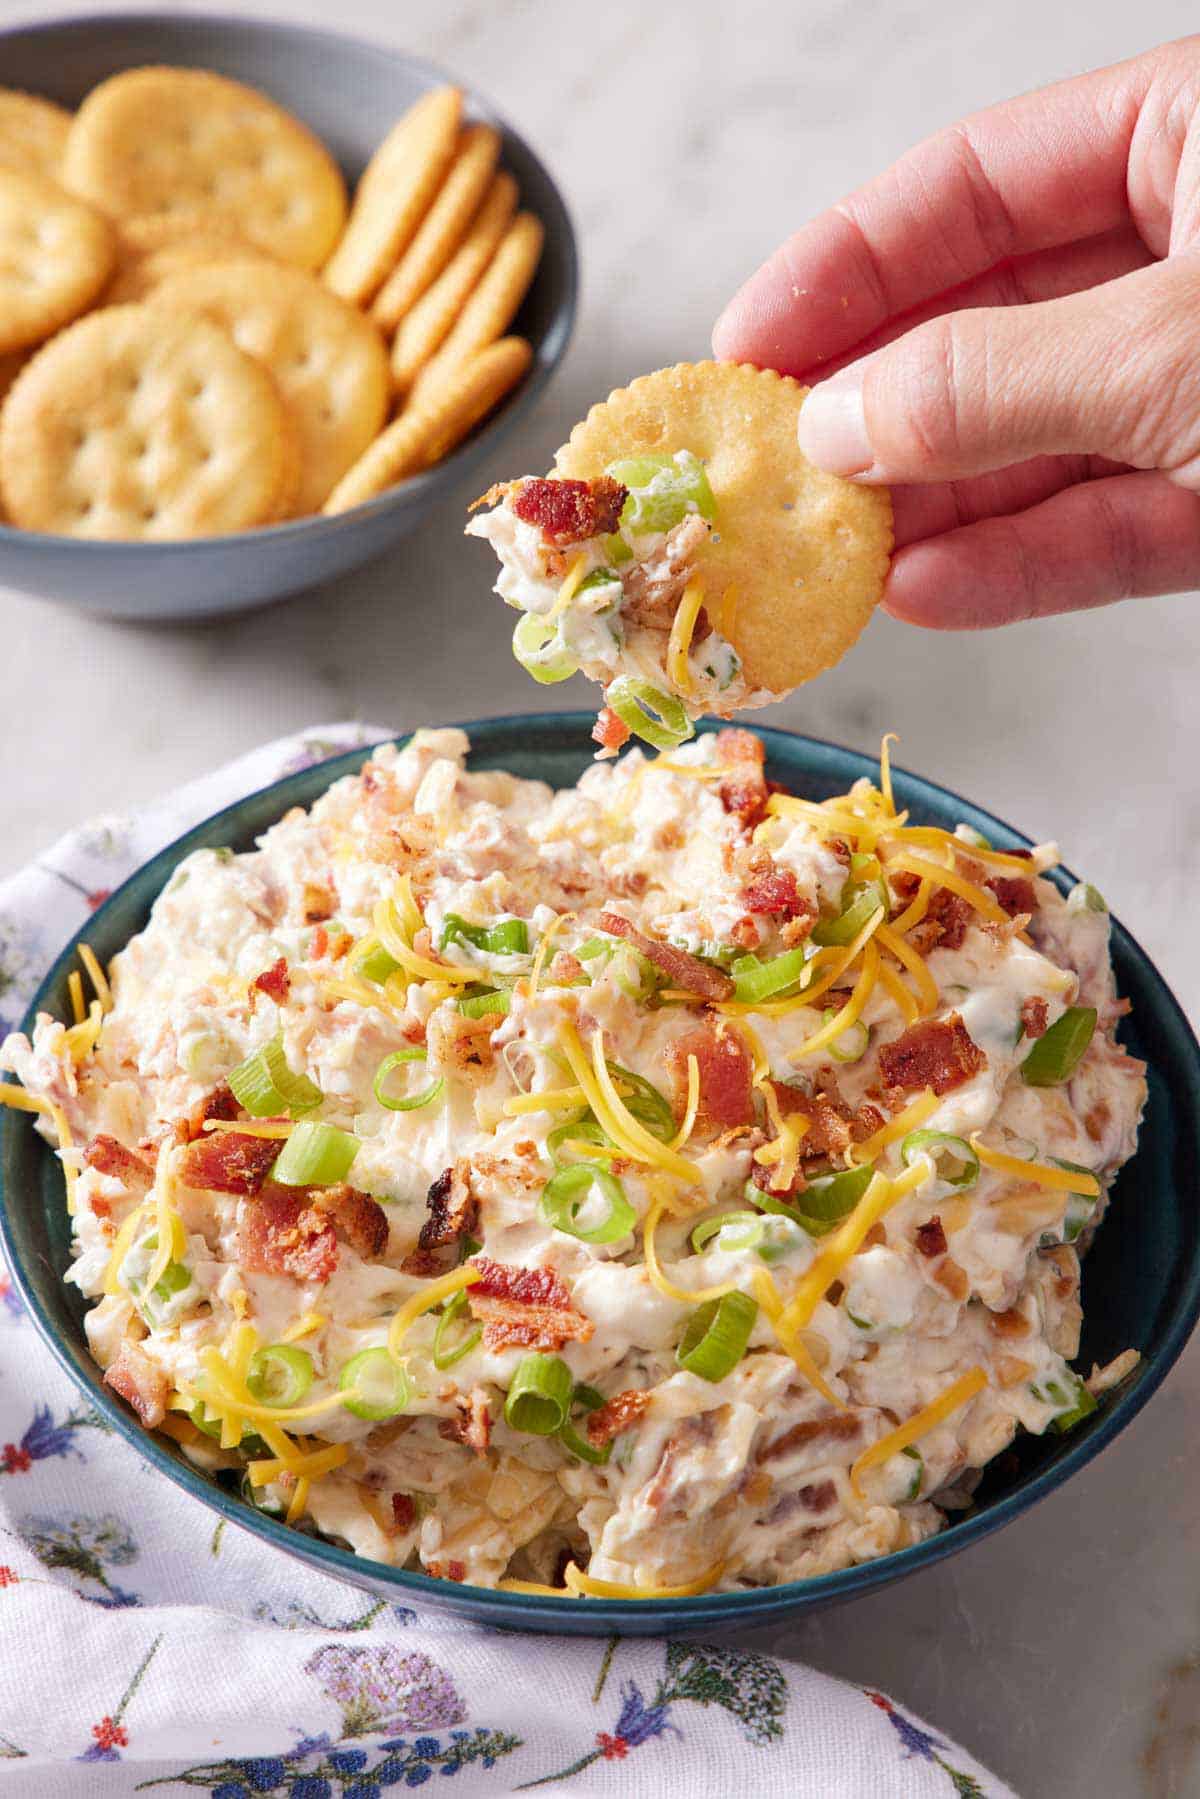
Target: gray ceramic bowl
{"x":1141,"y":1278}
{"x":349,"y":92}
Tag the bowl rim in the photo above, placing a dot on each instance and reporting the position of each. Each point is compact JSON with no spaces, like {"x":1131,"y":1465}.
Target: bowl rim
{"x":547,"y":354}
{"x":747,"y":1605}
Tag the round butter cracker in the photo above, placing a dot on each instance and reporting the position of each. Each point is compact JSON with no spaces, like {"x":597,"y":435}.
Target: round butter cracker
{"x":56,"y":253}
{"x":327,"y":359}
{"x":140,"y":422}
{"x":805,"y":552}
{"x":163,"y":243}
{"x":33,"y":133}
{"x":184,"y":140}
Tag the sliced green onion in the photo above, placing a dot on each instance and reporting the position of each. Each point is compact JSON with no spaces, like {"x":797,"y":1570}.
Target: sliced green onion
{"x":444,"y":1357}
{"x":595,"y":946}
{"x":280,"y":1374}
{"x":755,"y":981}
{"x":398,"y":1059}
{"x":599,"y":577}
{"x":265,"y":1086}
{"x":715,"y":1336}
{"x":663,"y":490}
{"x":960,"y":1167}
{"x":566,"y":1193}
{"x":831,"y":1197}
{"x":635,"y":974}
{"x":539,"y":1398}
{"x":583,"y":1132}
{"x":914,"y":1455}
{"x":378,"y":1383}
{"x":858,"y":905}
{"x":479,"y":1005}
{"x":645,"y":1102}
{"x":211,"y":1427}
{"x":1057,"y":1054}
{"x":864,"y":866}
{"x":538,"y":648}
{"x":1072,"y":1400}
{"x":656,"y":717}
{"x":751,"y":1231}
{"x":853,"y":1043}
{"x":588,"y":1400}
{"x":1083,"y":897}
{"x":616,"y":549}
{"x":1080,"y":1207}
{"x":376,"y":966}
{"x":315,"y":1155}
{"x":509,"y":937}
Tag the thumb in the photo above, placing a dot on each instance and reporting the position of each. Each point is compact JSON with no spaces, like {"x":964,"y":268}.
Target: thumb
{"x":1114,"y":371}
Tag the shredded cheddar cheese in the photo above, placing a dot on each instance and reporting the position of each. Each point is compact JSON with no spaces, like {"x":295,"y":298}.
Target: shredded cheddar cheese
{"x":585,"y":1584}
{"x":388,"y":930}
{"x":543,"y":951}
{"x":75,"y":989}
{"x":914,"y":1114}
{"x":688,"y":1124}
{"x":430,"y":1295}
{"x":570,"y":586}
{"x":97,"y":976}
{"x":902,"y":996}
{"x":908,"y":957}
{"x":1065,"y":1180}
{"x":941,"y":876}
{"x":683,"y":626}
{"x":308,"y":1466}
{"x":850,"y":1013}
{"x":688,"y":1296}
{"x":956,"y":1395}
{"x":304,"y":1327}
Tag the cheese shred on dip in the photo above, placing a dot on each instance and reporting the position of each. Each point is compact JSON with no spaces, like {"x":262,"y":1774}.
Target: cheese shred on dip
{"x":663,"y":1180}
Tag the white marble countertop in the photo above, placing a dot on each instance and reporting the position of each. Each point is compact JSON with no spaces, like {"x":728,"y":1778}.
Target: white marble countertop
{"x":688,"y":140}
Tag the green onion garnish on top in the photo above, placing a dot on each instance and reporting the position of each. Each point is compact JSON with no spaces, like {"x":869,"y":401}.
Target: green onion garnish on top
{"x":1057,"y":1054}
{"x":266,"y":1087}
{"x":510,"y":937}
{"x":398,"y":1059}
{"x":538,"y":648}
{"x":377,"y":1383}
{"x":280,"y":1374}
{"x":859,"y":903}
{"x":755,"y":981}
{"x":567,"y":1193}
{"x":656,"y":717}
{"x":444,"y":1355}
{"x":954,"y":1161}
{"x":582,"y":1134}
{"x":588,"y":1400}
{"x":733,"y":1230}
{"x":539,"y":1398}
{"x":315,"y":1155}
{"x":644,"y":1102}
{"x":1069,"y":1395}
{"x":663,"y":489}
{"x":715,"y":1336}
{"x":479,"y":1005}
{"x":376,"y":966}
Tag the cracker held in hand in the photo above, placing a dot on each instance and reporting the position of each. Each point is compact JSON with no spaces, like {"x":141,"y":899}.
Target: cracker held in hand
{"x":395,"y":192}
{"x":33,"y":133}
{"x":423,"y":434}
{"x":327,"y":358}
{"x":139,"y":422}
{"x":184,"y":140}
{"x":56,"y":253}
{"x":686,"y":554}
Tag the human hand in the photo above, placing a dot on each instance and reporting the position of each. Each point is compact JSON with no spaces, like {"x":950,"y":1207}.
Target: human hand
{"x":1015,"y":309}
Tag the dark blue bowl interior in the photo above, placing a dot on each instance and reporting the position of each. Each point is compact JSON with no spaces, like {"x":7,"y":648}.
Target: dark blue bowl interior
{"x":1141,"y":1282}
{"x":349,"y":92}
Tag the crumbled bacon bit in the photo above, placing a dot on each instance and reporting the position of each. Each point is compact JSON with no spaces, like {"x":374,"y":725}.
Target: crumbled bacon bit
{"x":681,"y":968}
{"x":320,"y":943}
{"x":832,"y":1125}
{"x":453,"y":1214}
{"x":609,"y":731}
{"x":745,"y":933}
{"x":360,"y":1219}
{"x":219,"y":1105}
{"x":107,"y":1156}
{"x":725,"y":1067}
{"x":954,"y":1279}
{"x":141,"y":1382}
{"x":1034,"y":1017}
{"x":615,"y":1415}
{"x":317,"y":902}
{"x":744,"y":791}
{"x":818,"y":1496}
{"x":1097,"y":1120}
{"x":528,"y":1307}
{"x":570,"y":511}
{"x":471,"y":1424}
{"x":837,"y":1427}
{"x":945,"y":923}
{"x":1012,"y":1323}
{"x":935,"y":1052}
{"x":228,"y":1162}
{"x":931,"y":1238}
{"x":280,"y":1234}
{"x":275,"y":981}
{"x":404,"y":1511}
{"x":1014,"y":892}
{"x":775,"y":893}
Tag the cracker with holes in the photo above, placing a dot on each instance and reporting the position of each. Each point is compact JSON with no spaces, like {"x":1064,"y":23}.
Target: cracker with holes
{"x":328,"y":360}
{"x":164,"y":243}
{"x":56,"y":253}
{"x":184,"y":140}
{"x":685,"y":554}
{"x":33,"y":133}
{"x":142,"y":422}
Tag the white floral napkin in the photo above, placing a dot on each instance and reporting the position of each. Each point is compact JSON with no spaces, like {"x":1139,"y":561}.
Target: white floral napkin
{"x":146,"y":1646}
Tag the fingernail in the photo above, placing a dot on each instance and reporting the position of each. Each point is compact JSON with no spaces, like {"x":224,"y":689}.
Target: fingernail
{"x":833,"y":428}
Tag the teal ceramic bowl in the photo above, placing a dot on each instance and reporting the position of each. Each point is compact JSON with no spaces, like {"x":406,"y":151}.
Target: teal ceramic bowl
{"x":1141,"y":1283}
{"x":350,"y":93}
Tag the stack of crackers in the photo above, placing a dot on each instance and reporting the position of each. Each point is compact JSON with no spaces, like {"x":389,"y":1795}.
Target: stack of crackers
{"x":200,"y":335}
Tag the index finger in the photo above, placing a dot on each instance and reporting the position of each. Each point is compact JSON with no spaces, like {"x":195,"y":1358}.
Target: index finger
{"x":1041,"y":170}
